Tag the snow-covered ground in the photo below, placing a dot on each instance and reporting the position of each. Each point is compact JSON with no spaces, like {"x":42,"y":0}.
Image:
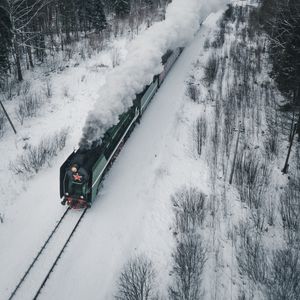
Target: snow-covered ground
{"x":133,"y":196}
{"x":29,"y":203}
{"x":73,"y":92}
{"x":133,"y":213}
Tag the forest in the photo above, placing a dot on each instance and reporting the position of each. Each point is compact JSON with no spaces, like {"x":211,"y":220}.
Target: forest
{"x":31,"y":30}
{"x":280,"y":20}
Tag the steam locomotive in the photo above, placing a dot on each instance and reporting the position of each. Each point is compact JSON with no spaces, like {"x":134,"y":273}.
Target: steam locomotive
{"x":83,"y":171}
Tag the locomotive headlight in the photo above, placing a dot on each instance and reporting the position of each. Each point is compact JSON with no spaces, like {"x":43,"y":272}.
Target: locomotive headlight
{"x":67,"y":194}
{"x":81,"y":197}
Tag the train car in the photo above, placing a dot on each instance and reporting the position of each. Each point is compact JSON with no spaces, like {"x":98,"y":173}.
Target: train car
{"x":168,"y":61}
{"x":83,"y":171}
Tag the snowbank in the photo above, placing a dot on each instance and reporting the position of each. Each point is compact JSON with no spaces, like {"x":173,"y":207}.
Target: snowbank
{"x":143,"y":62}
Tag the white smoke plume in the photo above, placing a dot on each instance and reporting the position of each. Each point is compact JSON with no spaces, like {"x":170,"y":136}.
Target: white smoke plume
{"x":142,"y":63}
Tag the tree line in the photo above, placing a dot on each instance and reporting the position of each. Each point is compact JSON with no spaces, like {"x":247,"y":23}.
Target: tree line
{"x":281,"y":21}
{"x":28,"y":28}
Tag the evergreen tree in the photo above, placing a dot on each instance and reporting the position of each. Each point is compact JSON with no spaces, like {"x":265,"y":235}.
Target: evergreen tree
{"x":67,"y":10}
{"x":5,"y":38}
{"x":281,"y":20}
{"x":150,"y":4}
{"x":122,"y":8}
{"x":83,"y":10}
{"x":91,"y":15}
{"x":97,"y":16}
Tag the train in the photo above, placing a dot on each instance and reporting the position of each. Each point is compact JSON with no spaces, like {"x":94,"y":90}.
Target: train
{"x":83,"y":171}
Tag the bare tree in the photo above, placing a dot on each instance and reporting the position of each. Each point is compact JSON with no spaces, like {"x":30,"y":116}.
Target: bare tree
{"x":290,"y":208}
{"x":35,"y":157}
{"x":201,"y":133}
{"x":251,"y":257}
{"x":252,"y":178}
{"x":136,"y":281}
{"x":193,"y":90}
{"x":285,"y":281}
{"x":189,"y":261}
{"x":211,"y":70}
{"x":190,"y":254}
{"x":189,"y":206}
{"x":22,"y":13}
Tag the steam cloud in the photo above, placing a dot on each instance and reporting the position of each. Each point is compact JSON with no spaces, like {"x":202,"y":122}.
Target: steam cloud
{"x":142,"y":63}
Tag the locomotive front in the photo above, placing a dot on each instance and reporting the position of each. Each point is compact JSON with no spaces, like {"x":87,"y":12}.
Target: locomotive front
{"x":75,"y":185}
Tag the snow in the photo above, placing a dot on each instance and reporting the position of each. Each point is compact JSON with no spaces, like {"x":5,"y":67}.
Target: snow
{"x":29,"y":203}
{"x":132,"y":213}
{"x":74,"y":91}
{"x":38,"y":273}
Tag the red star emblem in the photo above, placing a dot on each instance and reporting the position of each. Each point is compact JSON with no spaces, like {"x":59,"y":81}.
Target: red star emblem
{"x":77,"y":177}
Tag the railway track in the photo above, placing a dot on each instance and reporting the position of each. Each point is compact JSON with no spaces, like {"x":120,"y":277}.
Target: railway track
{"x":39,"y":271}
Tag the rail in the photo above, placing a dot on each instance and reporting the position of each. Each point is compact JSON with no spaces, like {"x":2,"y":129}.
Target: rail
{"x":43,"y":248}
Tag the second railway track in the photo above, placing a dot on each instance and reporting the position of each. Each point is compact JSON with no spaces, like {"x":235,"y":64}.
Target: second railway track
{"x":35,"y":277}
